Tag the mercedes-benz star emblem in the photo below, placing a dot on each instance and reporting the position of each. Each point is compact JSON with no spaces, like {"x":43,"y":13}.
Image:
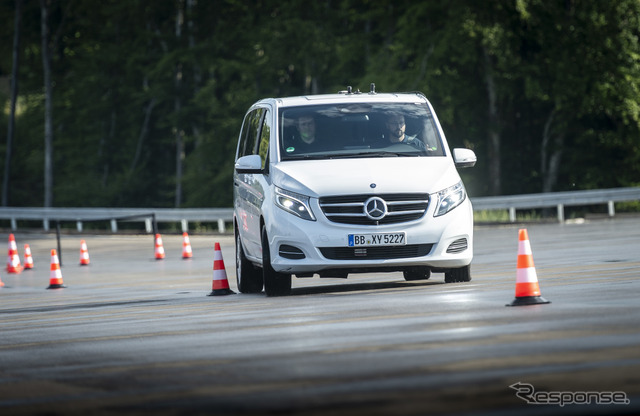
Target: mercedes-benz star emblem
{"x":375,"y":208}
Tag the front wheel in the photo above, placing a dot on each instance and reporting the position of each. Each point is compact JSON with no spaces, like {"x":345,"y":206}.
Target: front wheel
{"x":248,"y":276}
{"x":462,"y":274}
{"x":275,"y":284}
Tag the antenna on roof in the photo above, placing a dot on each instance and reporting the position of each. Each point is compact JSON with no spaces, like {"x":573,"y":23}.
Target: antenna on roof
{"x":350,"y":91}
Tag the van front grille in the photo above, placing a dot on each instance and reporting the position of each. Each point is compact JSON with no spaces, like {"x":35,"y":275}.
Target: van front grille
{"x":350,"y":209}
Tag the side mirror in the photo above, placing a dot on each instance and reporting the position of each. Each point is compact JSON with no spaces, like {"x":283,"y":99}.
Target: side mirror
{"x":464,"y":158}
{"x":249,"y":164}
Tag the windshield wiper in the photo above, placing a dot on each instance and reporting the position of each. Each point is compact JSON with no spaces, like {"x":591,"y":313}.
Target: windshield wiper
{"x":374,"y":154}
{"x":306,"y":157}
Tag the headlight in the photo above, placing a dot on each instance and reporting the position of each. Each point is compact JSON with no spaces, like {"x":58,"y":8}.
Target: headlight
{"x":450,"y":198}
{"x":294,"y":203}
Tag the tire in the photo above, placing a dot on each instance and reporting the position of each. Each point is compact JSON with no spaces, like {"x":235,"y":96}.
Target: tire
{"x":275,"y":284}
{"x":248,"y":276}
{"x":417,"y":273}
{"x":462,"y":274}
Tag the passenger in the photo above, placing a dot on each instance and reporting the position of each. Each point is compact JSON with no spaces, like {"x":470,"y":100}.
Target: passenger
{"x":305,"y":141}
{"x":396,"y":133}
{"x":429,"y":136}
{"x":307,"y":129}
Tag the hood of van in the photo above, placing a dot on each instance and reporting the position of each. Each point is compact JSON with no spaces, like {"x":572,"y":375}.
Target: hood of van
{"x":356,"y":176}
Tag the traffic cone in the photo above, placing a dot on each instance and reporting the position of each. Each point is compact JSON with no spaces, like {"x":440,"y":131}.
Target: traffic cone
{"x":159,"y":248}
{"x":28,"y":260}
{"x":220,"y":285}
{"x":13,"y":264}
{"x":527,"y":289}
{"x":186,"y":246}
{"x":1,"y":283}
{"x":84,"y":254}
{"x":55,"y":278}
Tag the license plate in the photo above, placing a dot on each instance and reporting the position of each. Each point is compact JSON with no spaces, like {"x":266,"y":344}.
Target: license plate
{"x":378,"y":239}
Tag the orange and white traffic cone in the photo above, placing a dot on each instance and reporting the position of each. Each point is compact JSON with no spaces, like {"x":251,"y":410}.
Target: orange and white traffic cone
{"x":84,"y":254}
{"x":527,"y":289}
{"x":187,"y":253}
{"x":28,"y":260}
{"x":55,"y":277}
{"x":13,"y":264}
{"x":159,"y":252}
{"x":1,"y":283}
{"x":220,"y":284}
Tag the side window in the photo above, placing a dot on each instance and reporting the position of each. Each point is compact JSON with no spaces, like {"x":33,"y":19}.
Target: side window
{"x":249,"y":135}
{"x":242,"y":144}
{"x":265,"y":134}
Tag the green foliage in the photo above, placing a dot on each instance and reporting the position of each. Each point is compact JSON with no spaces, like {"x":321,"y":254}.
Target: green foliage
{"x":133,"y":76}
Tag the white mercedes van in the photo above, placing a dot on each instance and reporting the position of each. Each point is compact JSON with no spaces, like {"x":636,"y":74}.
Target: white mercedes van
{"x":346,"y":183}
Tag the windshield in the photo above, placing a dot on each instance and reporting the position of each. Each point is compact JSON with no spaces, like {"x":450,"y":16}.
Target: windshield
{"x":358,"y":130}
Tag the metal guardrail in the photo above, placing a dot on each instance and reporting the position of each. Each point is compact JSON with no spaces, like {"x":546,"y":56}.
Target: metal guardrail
{"x":223,"y":216}
{"x":150,"y":216}
{"x":556,"y":199}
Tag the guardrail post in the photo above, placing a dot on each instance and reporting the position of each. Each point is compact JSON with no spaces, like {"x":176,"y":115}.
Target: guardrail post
{"x":58,"y":240}
{"x":612,"y":208}
{"x":147,"y":225}
{"x":79,"y":226}
{"x":14,"y":224}
{"x":512,"y":214}
{"x":114,"y":226}
{"x":220,"y":225}
{"x":185,"y":225}
{"x":45,"y":224}
{"x":560,"y":212}
{"x":155,"y":225}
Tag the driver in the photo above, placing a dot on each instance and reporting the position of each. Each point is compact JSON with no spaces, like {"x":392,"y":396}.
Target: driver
{"x":395,"y":132}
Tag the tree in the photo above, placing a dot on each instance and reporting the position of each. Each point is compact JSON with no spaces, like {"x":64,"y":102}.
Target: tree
{"x":45,"y":6}
{"x":12,"y":105}
{"x":145,"y":98}
{"x":582,"y":73}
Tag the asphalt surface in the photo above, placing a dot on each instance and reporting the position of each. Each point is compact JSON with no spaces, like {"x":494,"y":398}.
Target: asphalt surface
{"x":134,"y":335}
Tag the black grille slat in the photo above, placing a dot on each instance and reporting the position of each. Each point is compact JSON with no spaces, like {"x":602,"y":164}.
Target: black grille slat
{"x":408,"y":207}
{"x":401,"y":218}
{"x":376,"y":253}
{"x":349,"y":209}
{"x":343,"y":210}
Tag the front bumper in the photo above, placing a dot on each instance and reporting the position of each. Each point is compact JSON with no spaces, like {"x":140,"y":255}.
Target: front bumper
{"x":302,"y":247}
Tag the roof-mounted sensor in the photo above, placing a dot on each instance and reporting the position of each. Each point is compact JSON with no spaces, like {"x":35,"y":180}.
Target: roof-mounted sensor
{"x":349,"y":90}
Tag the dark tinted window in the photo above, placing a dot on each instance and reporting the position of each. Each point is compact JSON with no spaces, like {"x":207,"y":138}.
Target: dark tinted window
{"x":356,"y":129}
{"x":265,"y":134}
